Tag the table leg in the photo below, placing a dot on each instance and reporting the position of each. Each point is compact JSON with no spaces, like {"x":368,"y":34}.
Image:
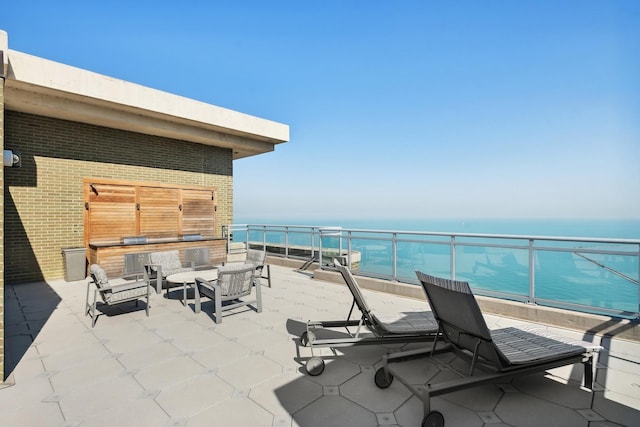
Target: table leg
{"x":184,"y":294}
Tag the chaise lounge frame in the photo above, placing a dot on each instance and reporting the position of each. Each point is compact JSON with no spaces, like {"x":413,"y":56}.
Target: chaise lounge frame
{"x":370,"y":329}
{"x":494,"y":355}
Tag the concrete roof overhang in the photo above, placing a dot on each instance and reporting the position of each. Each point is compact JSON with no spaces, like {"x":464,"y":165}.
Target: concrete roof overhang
{"x":39,"y":86}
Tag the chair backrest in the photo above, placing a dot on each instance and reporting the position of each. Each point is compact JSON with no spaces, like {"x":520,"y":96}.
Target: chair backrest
{"x":169,"y":260}
{"x":99,"y":277}
{"x":353,"y":287}
{"x":235,"y":280}
{"x":255,"y":257}
{"x":459,"y":316}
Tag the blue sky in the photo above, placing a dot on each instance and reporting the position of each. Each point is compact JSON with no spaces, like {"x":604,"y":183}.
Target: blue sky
{"x":397,"y":109}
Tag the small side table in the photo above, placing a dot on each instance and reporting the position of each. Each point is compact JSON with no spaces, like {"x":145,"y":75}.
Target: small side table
{"x":188,"y":279}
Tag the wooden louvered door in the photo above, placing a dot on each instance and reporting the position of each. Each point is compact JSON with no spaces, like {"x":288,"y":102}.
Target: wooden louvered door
{"x":111,"y":211}
{"x":159,"y":211}
{"x":198,"y":212}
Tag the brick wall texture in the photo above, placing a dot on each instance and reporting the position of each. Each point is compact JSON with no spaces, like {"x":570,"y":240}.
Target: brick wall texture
{"x":43,"y":210}
{"x":1,"y":231}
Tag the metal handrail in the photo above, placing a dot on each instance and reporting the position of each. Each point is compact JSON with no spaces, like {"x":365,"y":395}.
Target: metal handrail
{"x":312,"y":238}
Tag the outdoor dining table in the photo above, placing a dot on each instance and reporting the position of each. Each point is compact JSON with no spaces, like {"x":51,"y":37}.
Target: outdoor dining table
{"x":188,"y":279}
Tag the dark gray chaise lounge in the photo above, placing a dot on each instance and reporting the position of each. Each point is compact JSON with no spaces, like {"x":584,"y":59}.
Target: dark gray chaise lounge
{"x":492,"y":355}
{"x":370,"y":329}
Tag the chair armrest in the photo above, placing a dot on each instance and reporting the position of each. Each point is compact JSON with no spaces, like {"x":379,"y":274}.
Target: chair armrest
{"x":148,"y":267}
{"x":211,"y":284}
{"x":124,"y":286}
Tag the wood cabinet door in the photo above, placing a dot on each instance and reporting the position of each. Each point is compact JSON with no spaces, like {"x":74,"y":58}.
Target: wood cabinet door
{"x":111,"y":211}
{"x":198,"y":212}
{"x":159,"y":211}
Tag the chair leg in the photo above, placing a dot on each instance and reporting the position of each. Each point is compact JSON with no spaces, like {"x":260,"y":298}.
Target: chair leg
{"x":268,"y":274}
{"x":588,"y":373}
{"x":218,"y":304}
{"x":93,"y":309}
{"x":259,"y":298}
{"x":197,"y":299}
{"x":87,"y":307}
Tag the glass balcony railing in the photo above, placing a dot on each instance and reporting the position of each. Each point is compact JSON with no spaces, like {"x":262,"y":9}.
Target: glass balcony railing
{"x":592,"y":275}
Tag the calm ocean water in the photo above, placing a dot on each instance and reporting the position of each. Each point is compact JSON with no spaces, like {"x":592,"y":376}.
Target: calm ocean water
{"x":572,"y":275}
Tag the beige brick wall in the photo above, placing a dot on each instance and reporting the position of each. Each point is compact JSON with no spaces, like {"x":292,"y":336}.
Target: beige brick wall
{"x":44,"y":198}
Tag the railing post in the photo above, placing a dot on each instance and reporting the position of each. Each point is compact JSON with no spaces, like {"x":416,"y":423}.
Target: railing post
{"x":246,"y":237}
{"x":394,"y":256}
{"x":349,"y":249}
{"x":453,"y":257}
{"x":264,"y":240}
{"x":286,"y":242}
{"x":638,"y":305}
{"x":320,"y":247}
{"x":532,"y":274}
{"x":313,"y":242}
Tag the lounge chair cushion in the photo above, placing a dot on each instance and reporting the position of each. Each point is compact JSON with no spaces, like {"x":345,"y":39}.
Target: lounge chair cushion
{"x":99,"y":276}
{"x":528,"y":345}
{"x":126,"y":294}
{"x":411,"y":322}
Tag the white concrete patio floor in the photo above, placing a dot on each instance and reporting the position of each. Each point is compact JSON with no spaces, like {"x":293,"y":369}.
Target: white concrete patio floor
{"x":176,"y":368}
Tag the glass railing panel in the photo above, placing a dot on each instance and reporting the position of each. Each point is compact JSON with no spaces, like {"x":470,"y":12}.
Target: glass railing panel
{"x":430,"y":258}
{"x":502,"y":272}
{"x":375,"y":255}
{"x":595,"y":275}
{"x":598,"y":284}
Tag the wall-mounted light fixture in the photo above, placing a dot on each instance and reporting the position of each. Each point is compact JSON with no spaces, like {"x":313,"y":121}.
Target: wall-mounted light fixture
{"x":11,"y":158}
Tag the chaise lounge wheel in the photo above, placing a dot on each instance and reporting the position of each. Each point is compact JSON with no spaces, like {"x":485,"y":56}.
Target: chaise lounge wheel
{"x":306,"y":337}
{"x":383,"y":379}
{"x":433,"y":419}
{"x":314,"y":366}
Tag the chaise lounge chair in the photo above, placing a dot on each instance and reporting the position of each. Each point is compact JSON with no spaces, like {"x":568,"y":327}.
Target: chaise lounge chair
{"x":370,"y":329}
{"x":493,"y":355}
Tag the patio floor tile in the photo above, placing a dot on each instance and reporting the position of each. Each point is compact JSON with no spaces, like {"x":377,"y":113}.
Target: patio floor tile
{"x":177,"y":368}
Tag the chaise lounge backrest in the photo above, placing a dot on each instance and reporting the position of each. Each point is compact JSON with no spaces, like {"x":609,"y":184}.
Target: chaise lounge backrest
{"x":354,"y":288}
{"x":462,"y":323}
{"x":459,"y":315}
